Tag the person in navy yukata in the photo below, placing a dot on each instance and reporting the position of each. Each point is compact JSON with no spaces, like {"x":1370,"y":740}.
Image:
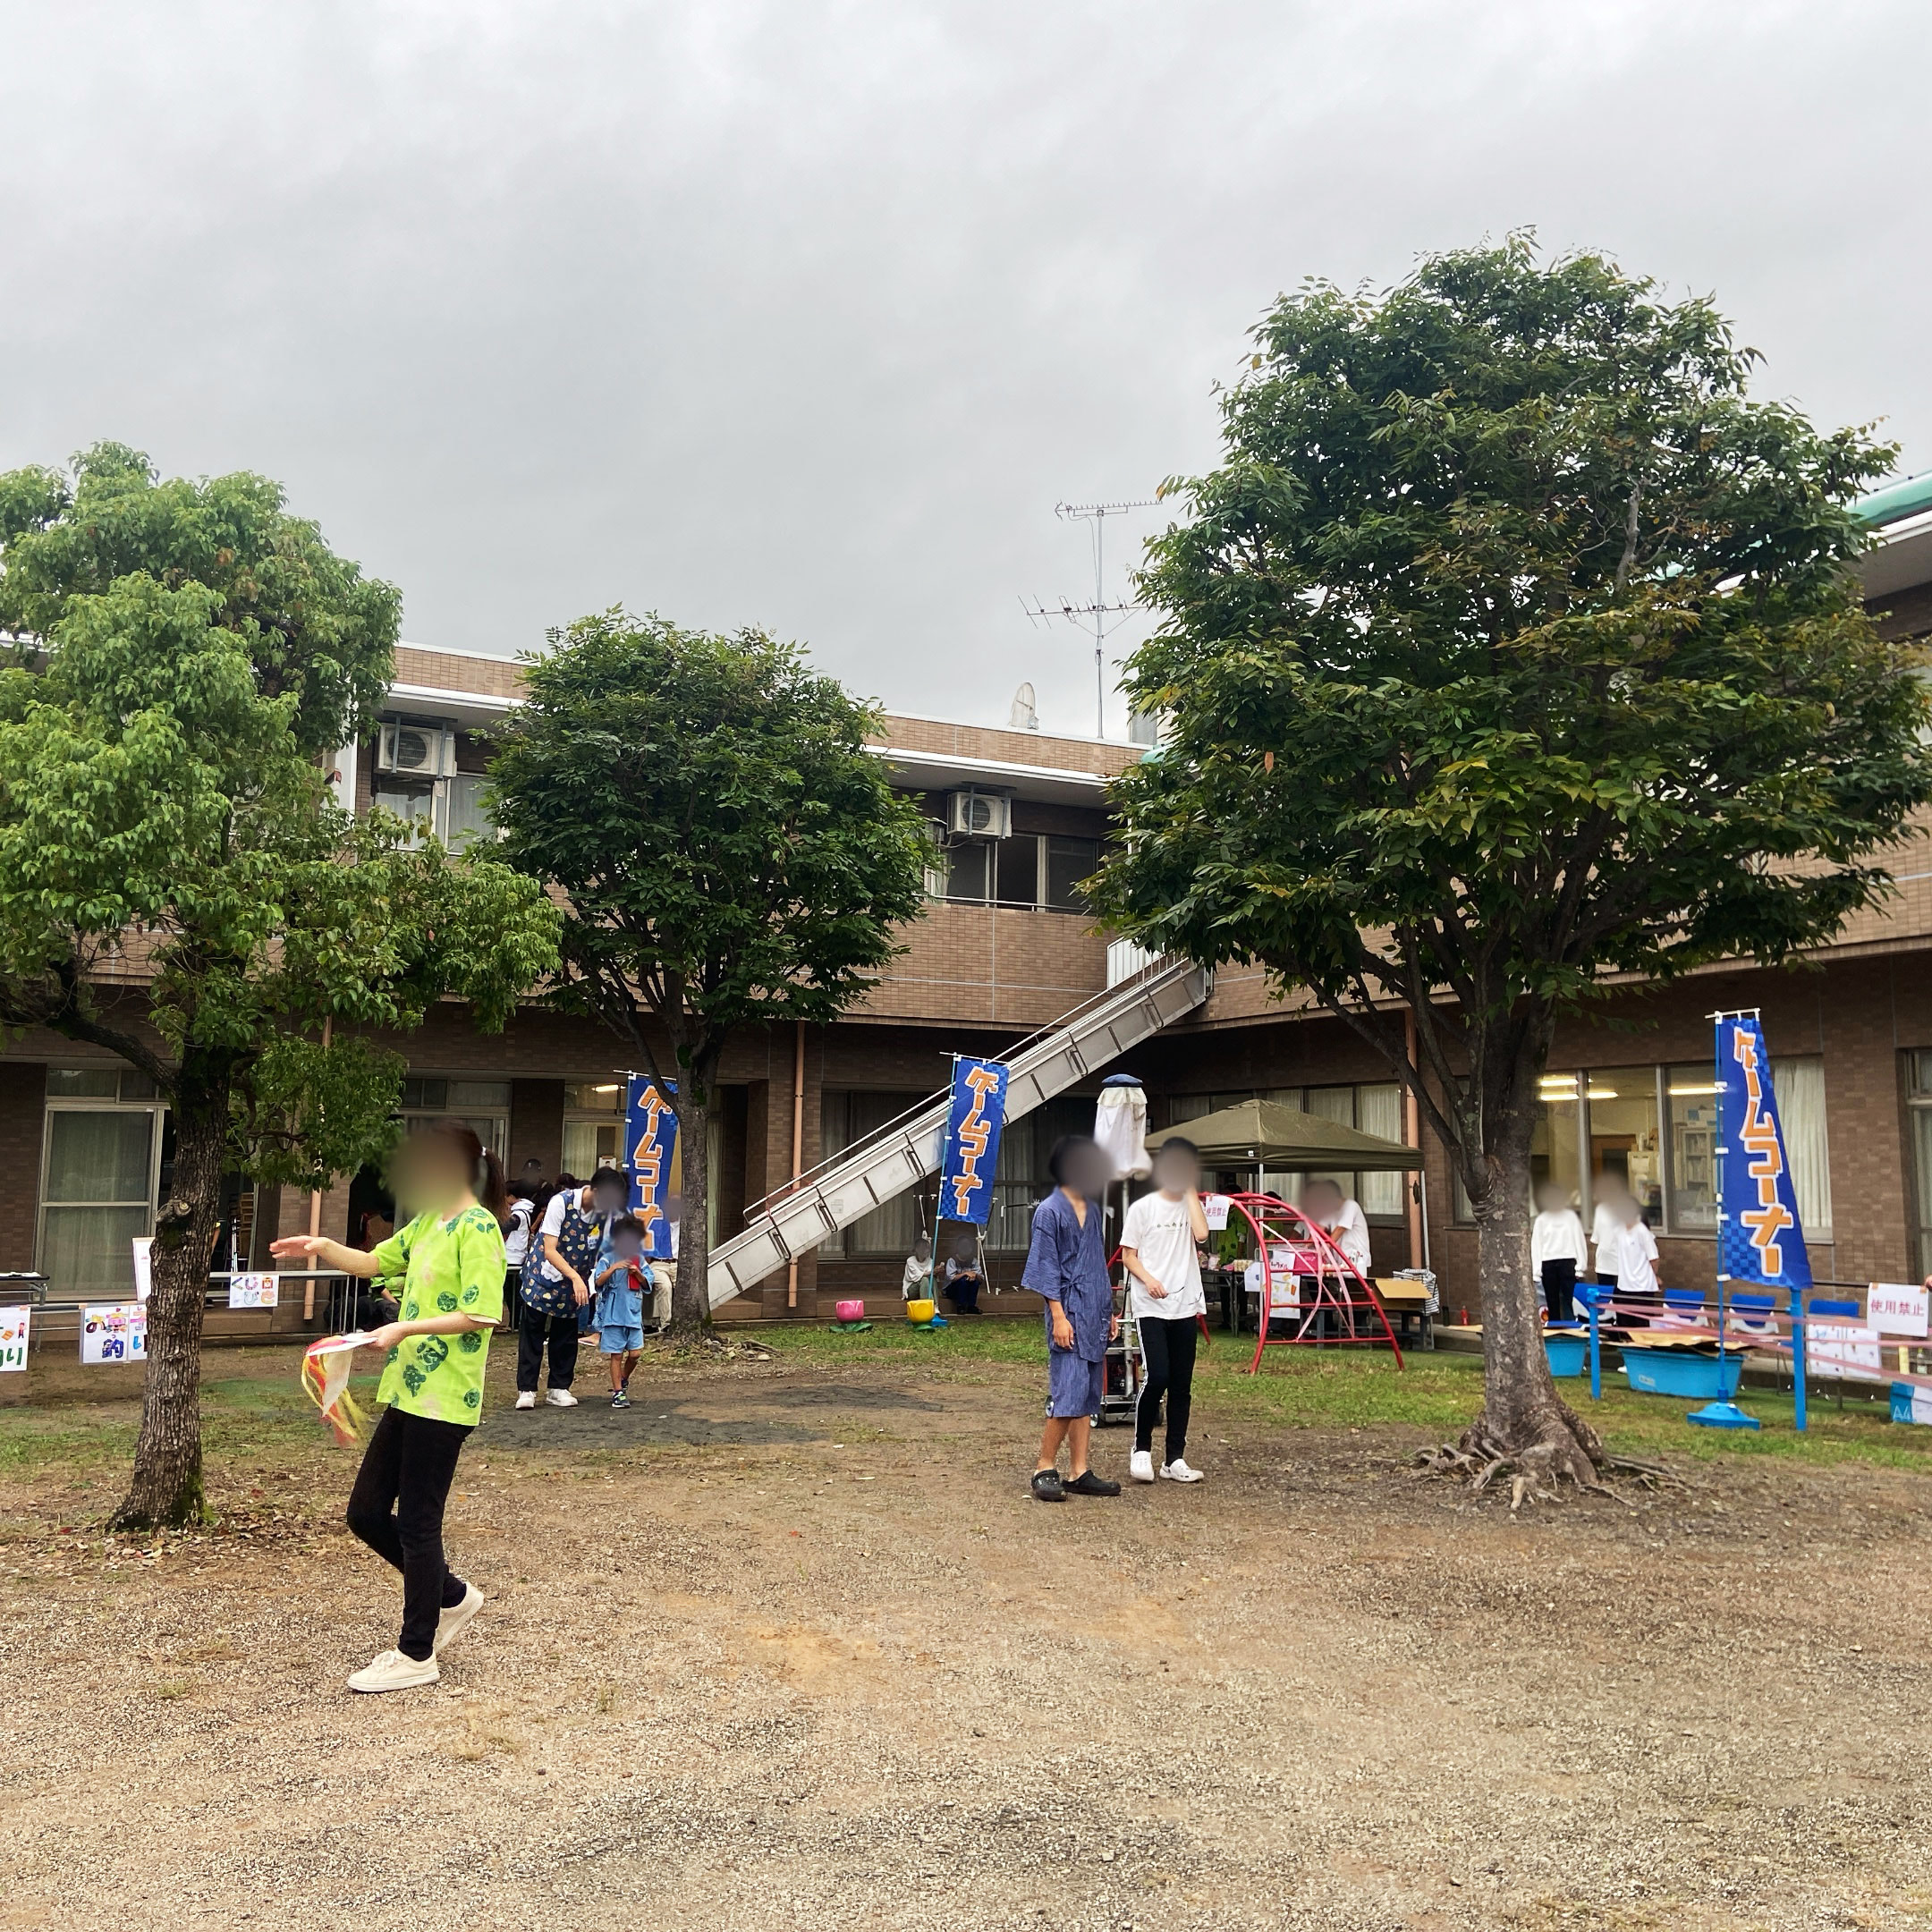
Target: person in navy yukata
{"x":1066,"y":1267}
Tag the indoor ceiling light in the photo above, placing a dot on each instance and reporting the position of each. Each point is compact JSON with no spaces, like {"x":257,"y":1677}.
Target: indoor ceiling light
{"x":611,"y":1088}
{"x":1603,"y":1093}
{"x":1675,"y":1090}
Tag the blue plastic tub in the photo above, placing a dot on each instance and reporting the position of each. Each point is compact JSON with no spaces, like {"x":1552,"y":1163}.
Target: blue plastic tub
{"x":1566,"y":1353}
{"x":1665,"y":1372}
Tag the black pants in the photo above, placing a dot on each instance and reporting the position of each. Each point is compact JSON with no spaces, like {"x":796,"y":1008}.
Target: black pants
{"x":1167,"y":1349}
{"x":1559,"y":1287}
{"x":562,"y":1330}
{"x":964,"y":1291}
{"x":397,"y":1508}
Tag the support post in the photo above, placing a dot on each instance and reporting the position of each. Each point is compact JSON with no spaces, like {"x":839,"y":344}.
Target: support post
{"x":798,"y":1149}
{"x":315,"y":1198}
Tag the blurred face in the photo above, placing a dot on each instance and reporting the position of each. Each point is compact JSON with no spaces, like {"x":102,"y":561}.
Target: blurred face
{"x":1086,"y":1169}
{"x":609,"y":1196}
{"x":428,"y":1175}
{"x":629,"y":1245}
{"x":1322,"y":1200}
{"x":1175,"y":1170}
{"x":1549,"y":1197}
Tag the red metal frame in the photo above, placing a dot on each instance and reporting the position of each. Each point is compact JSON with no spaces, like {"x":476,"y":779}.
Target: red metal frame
{"x":1258,"y":1210}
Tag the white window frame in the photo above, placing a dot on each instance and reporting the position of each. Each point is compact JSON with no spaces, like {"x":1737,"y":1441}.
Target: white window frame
{"x":80,"y":1104}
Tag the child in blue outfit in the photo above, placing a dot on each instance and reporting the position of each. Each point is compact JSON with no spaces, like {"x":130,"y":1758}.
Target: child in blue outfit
{"x":621,"y":1277}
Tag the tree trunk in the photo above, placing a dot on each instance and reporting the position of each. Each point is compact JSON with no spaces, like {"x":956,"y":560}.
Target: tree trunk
{"x":1523,"y":1417}
{"x":167,"y":1488}
{"x":690,"y":1300}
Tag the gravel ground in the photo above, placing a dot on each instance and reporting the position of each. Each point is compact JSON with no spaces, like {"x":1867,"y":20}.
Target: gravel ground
{"x":775,"y":1649}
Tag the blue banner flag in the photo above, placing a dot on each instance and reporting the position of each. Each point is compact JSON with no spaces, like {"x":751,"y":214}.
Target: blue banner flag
{"x":651,"y":1139}
{"x":1760,"y":1238}
{"x":971,"y":1160}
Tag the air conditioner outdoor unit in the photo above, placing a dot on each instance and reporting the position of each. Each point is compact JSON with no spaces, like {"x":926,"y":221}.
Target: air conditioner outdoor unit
{"x":416,"y":751}
{"x":979,"y":814}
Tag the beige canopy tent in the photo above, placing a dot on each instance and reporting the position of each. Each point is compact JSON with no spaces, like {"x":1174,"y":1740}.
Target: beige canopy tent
{"x":1265,"y":1134}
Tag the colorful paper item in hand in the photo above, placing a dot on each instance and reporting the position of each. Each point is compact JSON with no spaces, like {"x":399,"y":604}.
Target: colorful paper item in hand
{"x":325,"y":1374}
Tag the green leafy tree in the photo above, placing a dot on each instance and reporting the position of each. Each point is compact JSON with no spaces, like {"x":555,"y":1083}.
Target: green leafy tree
{"x":175,"y":884}
{"x":726,"y":850}
{"x":1511,"y":646}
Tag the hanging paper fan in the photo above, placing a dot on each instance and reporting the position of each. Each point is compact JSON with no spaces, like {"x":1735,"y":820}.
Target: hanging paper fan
{"x":325,"y":1374}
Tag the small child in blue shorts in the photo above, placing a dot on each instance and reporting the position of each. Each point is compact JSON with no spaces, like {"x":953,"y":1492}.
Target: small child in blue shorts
{"x":620,"y":1282}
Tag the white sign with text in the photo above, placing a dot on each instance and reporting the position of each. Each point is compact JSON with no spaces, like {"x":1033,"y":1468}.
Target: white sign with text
{"x":14,"y":1325}
{"x":1896,"y":1307}
{"x":253,"y":1290}
{"x":114,"y":1332}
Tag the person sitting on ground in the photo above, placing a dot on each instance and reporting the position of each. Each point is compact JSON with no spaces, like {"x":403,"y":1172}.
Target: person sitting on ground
{"x":620,"y":1304}
{"x":1557,"y":1251}
{"x":963,"y":1279}
{"x":1340,"y":1217}
{"x":915,"y":1280}
{"x":1066,"y":1267}
{"x":1160,"y":1241}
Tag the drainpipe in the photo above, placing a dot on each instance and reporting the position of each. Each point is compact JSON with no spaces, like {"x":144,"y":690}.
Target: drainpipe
{"x":797,"y":1150}
{"x":1419,"y":1243}
{"x":314,"y":1218}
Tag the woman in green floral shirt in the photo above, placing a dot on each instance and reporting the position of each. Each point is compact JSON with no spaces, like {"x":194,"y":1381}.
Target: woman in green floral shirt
{"x":450,"y":1261}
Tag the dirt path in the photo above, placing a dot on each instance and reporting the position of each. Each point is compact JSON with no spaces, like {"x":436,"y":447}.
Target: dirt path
{"x":773,"y":1650}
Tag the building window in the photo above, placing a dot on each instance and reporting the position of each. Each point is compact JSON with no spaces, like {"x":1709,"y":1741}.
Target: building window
{"x":1800,"y":1086}
{"x":593,"y":1125}
{"x":1692,"y":1091}
{"x":482,"y":1105}
{"x":101,"y":1155}
{"x":847,"y":1118}
{"x":1918,"y":1106}
{"x":1031,"y":870}
{"x":1373,"y":1106}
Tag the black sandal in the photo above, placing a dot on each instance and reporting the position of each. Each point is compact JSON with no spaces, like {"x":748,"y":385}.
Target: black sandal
{"x":1088,"y":1484}
{"x":1048,"y":1487}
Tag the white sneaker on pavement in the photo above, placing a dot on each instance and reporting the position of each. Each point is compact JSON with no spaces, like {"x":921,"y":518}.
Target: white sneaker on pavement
{"x":526,"y":1398}
{"x":392,"y":1670}
{"x":454,"y":1621}
{"x":1141,"y":1465}
{"x":1178,"y":1471}
{"x":560,"y":1398}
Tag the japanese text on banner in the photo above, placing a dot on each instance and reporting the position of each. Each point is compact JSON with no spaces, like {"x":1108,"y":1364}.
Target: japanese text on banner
{"x":971,"y":1159}
{"x":650,"y":1144}
{"x":1759,"y":1236}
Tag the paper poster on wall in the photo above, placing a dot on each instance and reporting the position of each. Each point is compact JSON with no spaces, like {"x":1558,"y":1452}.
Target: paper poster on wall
{"x":14,"y":1323}
{"x":1846,"y":1349}
{"x":1216,"y":1208}
{"x":1896,"y":1307}
{"x":253,"y":1290}
{"x":114,"y":1332}
{"x":143,"y":1266}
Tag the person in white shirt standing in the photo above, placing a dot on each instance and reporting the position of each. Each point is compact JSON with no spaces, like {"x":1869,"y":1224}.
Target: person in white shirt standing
{"x":1606,"y":1230}
{"x":1636,"y":1252}
{"x":1558,"y":1252}
{"x":1159,"y":1240}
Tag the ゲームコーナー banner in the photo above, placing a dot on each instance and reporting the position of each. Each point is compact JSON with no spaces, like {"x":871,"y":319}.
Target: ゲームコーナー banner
{"x":1760,"y":1238}
{"x":971,"y":1159}
{"x":651,"y":1139}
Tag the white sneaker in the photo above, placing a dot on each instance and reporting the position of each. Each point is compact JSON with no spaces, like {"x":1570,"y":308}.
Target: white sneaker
{"x":526,"y":1398}
{"x":1141,"y":1465}
{"x":454,"y":1621}
{"x":1178,"y":1471}
{"x":560,"y":1398}
{"x":392,"y":1670}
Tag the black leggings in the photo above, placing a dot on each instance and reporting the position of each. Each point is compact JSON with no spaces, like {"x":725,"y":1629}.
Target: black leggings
{"x":1167,"y":1349}
{"x":1559,"y":1287}
{"x":397,"y":1508}
{"x":562,"y":1330}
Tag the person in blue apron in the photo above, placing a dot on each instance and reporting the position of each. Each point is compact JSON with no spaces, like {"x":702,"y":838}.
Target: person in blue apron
{"x":557,"y":1282}
{"x":1066,"y":1267}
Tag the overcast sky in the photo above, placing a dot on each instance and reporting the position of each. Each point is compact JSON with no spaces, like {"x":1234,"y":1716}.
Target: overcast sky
{"x":807,"y":315}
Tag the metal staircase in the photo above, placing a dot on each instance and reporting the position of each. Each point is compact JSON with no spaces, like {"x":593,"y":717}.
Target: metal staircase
{"x":903,"y":1152}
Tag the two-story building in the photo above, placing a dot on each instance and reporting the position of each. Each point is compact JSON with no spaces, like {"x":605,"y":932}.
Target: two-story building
{"x":1004,"y":948}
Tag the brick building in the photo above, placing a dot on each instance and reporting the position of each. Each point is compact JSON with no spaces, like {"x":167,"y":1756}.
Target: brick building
{"x":1003,"y":949}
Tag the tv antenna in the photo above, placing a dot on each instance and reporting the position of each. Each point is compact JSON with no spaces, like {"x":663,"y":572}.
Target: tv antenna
{"x":1094,"y":615}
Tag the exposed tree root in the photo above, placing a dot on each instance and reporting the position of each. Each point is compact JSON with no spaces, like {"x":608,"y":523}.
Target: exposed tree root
{"x":1568,"y":1450}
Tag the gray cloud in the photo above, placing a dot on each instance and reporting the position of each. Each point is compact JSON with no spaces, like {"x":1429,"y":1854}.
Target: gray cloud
{"x":807,"y":314}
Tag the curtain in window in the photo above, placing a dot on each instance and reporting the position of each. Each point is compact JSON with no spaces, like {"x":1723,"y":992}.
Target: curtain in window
{"x":1378,"y":1112}
{"x":1799,"y":1085}
{"x":887,"y":1230}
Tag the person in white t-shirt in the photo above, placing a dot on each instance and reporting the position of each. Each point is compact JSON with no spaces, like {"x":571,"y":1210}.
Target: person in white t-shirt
{"x":1558,"y":1252}
{"x":1606,"y":1230}
{"x":1340,"y":1217}
{"x":1159,"y":1244}
{"x":915,"y":1279}
{"x":1637,"y":1253}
